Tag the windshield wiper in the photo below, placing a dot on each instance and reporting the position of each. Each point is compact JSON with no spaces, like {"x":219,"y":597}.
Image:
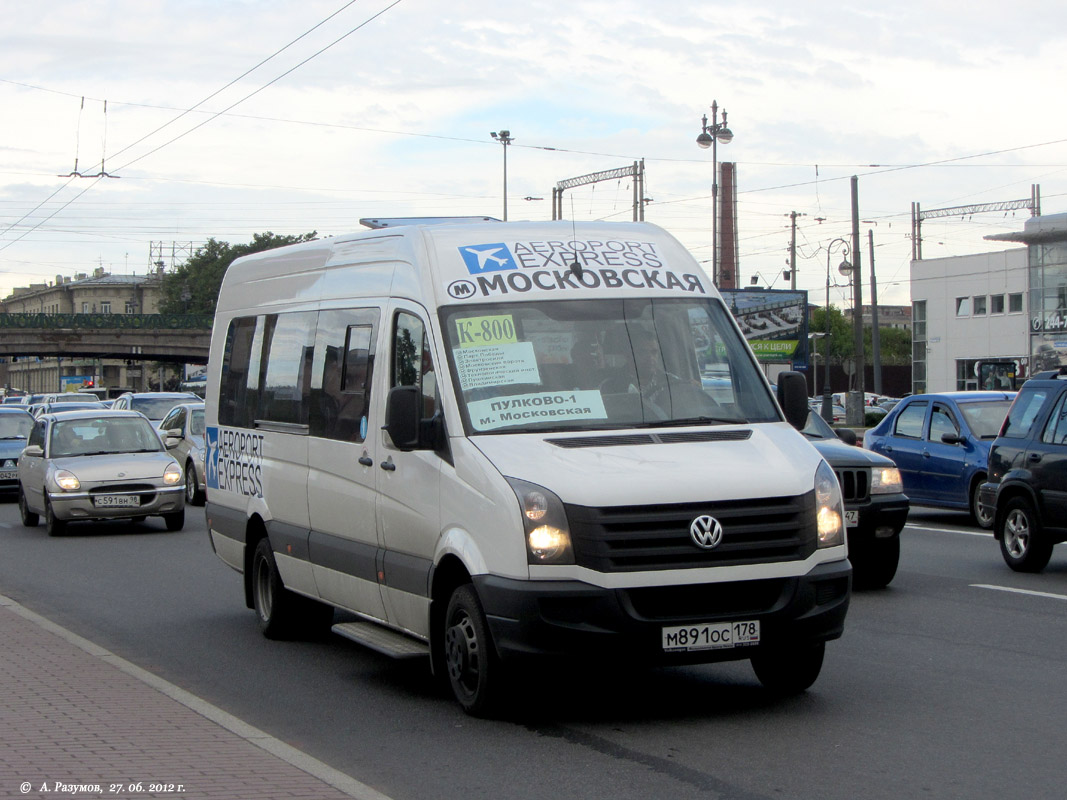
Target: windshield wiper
{"x":6,"y":438}
{"x":679,"y":423}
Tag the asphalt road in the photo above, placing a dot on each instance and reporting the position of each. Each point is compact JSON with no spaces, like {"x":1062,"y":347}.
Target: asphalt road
{"x":948,"y":684}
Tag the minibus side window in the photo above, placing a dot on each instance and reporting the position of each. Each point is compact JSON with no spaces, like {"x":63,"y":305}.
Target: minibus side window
{"x":413,"y":361}
{"x":287,"y":371}
{"x":342,"y":373}
{"x":239,"y":386}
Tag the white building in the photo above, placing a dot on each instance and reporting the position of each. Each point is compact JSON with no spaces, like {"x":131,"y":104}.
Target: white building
{"x":966,"y":310}
{"x":987,"y":321}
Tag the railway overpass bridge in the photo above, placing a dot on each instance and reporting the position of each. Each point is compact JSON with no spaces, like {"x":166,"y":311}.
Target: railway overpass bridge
{"x":172,"y":338}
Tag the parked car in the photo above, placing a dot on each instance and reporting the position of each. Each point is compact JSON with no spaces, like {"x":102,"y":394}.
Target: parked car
{"x":837,"y":411}
{"x":97,"y":464}
{"x":1027,"y":486}
{"x":876,"y":507}
{"x":70,"y":397}
{"x":30,"y":399}
{"x":941,"y":444}
{"x":15,"y":425}
{"x":65,"y":405}
{"x":183,"y":431}
{"x":153,"y":405}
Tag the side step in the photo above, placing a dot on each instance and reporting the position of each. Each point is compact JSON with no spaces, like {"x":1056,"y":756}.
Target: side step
{"x":383,"y":640}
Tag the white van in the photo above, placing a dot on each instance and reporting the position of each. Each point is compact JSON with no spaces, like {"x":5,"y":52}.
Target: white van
{"x":497,"y":440}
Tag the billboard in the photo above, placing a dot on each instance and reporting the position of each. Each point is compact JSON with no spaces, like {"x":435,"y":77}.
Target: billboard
{"x":72,"y":383}
{"x":774,"y":321}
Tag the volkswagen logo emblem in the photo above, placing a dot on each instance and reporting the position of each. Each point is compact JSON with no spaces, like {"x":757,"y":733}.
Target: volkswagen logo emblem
{"x":706,"y":532}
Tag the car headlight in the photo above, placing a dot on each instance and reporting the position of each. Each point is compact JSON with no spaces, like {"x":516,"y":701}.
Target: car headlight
{"x":886,"y":480}
{"x":829,"y":507}
{"x":172,"y":474}
{"x":67,"y":481}
{"x":548,"y":537}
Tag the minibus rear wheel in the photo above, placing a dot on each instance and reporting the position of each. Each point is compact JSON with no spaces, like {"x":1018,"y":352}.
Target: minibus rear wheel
{"x":283,"y":614}
{"x":274,"y":604}
{"x":474,"y":670}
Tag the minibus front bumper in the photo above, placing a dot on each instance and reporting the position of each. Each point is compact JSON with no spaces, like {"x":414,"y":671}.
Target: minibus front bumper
{"x":574,"y":618}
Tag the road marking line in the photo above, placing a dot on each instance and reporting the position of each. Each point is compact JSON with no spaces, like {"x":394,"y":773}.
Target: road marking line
{"x":948,"y":530}
{"x":312,"y":766}
{"x":1019,"y":591}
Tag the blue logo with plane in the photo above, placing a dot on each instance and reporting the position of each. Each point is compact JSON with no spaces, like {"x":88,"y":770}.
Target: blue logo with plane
{"x":487,"y":258}
{"x":211,"y":459}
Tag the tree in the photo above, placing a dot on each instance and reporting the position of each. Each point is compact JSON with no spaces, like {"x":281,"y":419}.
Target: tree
{"x":894,"y":346}
{"x":841,"y":339}
{"x":193,"y":288}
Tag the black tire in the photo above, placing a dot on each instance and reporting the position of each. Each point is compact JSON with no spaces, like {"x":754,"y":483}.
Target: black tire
{"x":789,"y":671}
{"x":1022,"y":541}
{"x":874,"y":563}
{"x":193,"y":495}
{"x":175,"y":521}
{"x":29,"y":518}
{"x":474,"y":671}
{"x":283,"y":614}
{"x":54,"y":526}
{"x":982,"y":516}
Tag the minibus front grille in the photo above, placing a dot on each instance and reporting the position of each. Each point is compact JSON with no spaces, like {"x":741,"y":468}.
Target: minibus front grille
{"x":855,"y":484}
{"x":654,"y":537}
{"x":706,"y":601}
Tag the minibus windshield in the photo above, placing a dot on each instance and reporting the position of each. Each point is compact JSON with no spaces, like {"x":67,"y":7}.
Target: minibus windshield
{"x":602,"y":364}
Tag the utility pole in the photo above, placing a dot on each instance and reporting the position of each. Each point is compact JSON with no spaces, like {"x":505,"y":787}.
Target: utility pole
{"x":793,"y":250}
{"x":876,"y":347}
{"x":856,"y":414}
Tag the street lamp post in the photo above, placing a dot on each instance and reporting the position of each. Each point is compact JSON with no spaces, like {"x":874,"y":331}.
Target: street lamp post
{"x":710,"y":136}
{"x":505,"y":138}
{"x":845,"y":268}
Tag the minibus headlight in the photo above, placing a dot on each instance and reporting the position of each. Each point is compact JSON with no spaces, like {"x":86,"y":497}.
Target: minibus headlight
{"x":829,"y":508}
{"x":172,"y":474}
{"x":544,"y":522}
{"x":886,"y":480}
{"x":67,"y":481}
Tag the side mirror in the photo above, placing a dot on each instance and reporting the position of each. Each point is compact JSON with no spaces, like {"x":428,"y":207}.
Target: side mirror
{"x":172,"y":438}
{"x":793,"y":398}
{"x":33,"y":451}
{"x":402,"y":417}
{"x":952,"y":438}
{"x":846,"y":435}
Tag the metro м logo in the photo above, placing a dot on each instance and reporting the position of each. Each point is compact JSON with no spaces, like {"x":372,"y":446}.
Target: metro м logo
{"x":487,"y":258}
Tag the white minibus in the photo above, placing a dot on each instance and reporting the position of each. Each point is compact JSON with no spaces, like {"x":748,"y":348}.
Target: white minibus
{"x":488,"y":442}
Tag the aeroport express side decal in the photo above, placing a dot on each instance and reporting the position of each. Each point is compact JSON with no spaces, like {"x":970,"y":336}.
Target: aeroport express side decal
{"x":234,"y":461}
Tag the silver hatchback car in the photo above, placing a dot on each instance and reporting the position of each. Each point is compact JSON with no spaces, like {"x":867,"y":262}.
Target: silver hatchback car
{"x":183,"y":435}
{"x":97,"y":465}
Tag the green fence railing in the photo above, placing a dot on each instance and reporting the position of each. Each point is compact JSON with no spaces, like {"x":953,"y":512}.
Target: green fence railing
{"x":105,"y":321}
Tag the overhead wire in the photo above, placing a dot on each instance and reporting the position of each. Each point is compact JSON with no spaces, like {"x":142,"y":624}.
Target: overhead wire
{"x":213,"y":116}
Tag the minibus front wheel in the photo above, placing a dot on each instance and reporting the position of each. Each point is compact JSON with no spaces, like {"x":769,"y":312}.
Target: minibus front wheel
{"x":474,"y":670}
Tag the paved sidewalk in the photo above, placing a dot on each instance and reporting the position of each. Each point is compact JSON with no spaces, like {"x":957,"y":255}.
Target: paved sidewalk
{"x":77,"y":720}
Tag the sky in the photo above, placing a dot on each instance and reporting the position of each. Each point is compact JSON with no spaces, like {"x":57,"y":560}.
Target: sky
{"x":226,"y":118}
